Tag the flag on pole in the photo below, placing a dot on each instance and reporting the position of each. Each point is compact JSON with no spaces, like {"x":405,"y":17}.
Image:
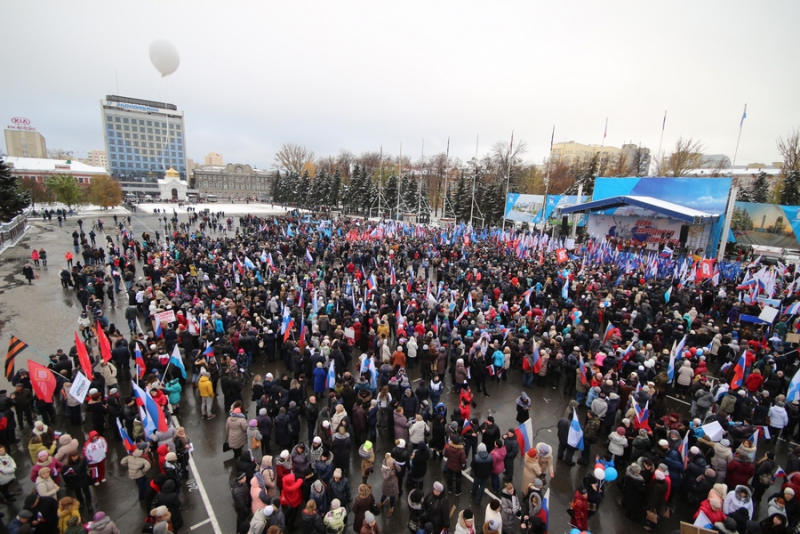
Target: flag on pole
{"x":159,"y":332}
{"x":537,"y":360}
{"x":582,"y":371}
{"x":778,"y":473}
{"x":738,"y":372}
{"x":332,"y":375}
{"x":794,"y":388}
{"x":524,"y":434}
{"x":309,"y":258}
{"x":608,"y":331}
{"x":744,"y":116}
{"x":668,"y":294}
{"x":105,"y":344}
{"x":83,"y":358}
{"x":151,"y":408}
{"x":605,"y":130}
{"x":546,"y":508}
{"x":642,"y":414}
{"x":176,"y":360}
{"x":142,"y":368}
{"x":42,"y":380}
{"x":130,"y":446}
{"x":15,"y":346}
{"x":684,"y":450}
{"x":575,"y":436}
{"x":664,"y":122}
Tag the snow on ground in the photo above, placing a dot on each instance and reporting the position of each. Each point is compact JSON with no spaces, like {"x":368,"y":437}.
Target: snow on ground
{"x":239,"y":208}
{"x":86,"y":209}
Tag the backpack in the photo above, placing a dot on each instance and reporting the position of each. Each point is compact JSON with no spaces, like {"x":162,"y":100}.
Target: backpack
{"x":255,"y":444}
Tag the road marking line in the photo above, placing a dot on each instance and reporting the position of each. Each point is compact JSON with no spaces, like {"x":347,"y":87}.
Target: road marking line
{"x":200,"y":524}
{"x":202,"y":489}
{"x":212,"y":518}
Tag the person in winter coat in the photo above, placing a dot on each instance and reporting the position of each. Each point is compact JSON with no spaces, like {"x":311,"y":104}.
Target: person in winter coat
{"x":523,"y":406}
{"x":292,"y":498}
{"x":778,"y":419}
{"x":580,"y":509}
{"x":657,"y":499}
{"x":236,"y":430}
{"x":511,"y":445}
{"x":674,"y":462}
{"x":94,"y":450}
{"x":45,"y":460}
{"x":254,"y":439}
{"x":712,"y":508}
{"x":8,"y":469}
{"x":102,"y":524}
{"x":481,"y":465}
{"x":168,"y":496}
{"x":66,"y":445}
{"x":400,"y":424}
{"x":241,"y":499}
{"x":391,"y":487}
{"x":362,"y":504}
{"x":635,"y":493}
{"x":456,"y":461}
{"x":311,"y":520}
{"x":498,"y":455}
{"x":69,"y":516}
{"x":367,"y":454}
{"x":45,"y":486}
{"x":417,"y":430}
{"x":510,"y":509}
{"x":336,"y":519}
{"x":739,"y":497}
{"x":138,"y":466}
{"x":436,"y":509}
{"x":740,"y":470}
{"x":465,"y":523}
{"x":762,"y":478}
{"x":369,"y":525}
{"x":684,"y":380}
{"x":617,"y":442}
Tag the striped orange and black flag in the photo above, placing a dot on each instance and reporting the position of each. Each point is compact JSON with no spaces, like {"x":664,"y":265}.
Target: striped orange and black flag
{"x":15,"y":346}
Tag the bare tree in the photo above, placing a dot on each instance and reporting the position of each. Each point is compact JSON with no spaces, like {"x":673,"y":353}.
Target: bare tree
{"x":327,"y":164}
{"x":293,"y":157}
{"x":687,"y":155}
{"x":790,"y":150}
{"x":560,"y":175}
{"x":345,"y":161}
{"x":58,"y":153}
{"x":370,"y":162}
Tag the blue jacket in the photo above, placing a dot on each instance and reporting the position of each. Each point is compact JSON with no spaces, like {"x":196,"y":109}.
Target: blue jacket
{"x":173,"y":389}
{"x":320,"y":375}
{"x":498,"y":358}
{"x":675,"y":465}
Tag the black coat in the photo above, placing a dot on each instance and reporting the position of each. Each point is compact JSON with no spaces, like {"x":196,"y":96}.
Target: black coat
{"x":241,"y":496}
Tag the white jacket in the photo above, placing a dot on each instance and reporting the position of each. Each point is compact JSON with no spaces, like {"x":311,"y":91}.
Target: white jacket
{"x":416,"y":432}
{"x":617,"y":444}
{"x":733,"y":502}
{"x":778,"y":417}
{"x":7,"y":469}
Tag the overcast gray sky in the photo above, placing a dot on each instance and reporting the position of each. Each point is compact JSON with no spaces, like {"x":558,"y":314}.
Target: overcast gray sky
{"x":355,"y":75}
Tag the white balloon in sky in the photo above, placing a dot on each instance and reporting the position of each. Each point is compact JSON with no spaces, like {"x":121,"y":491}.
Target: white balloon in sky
{"x":164,"y":56}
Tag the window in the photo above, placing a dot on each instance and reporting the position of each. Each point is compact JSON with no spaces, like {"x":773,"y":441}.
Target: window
{"x":150,"y":130}
{"x":136,"y":136}
{"x":109,"y":118}
{"x":125,"y":120}
{"x":116,"y":119}
{"x":158,"y":138}
{"x":135,"y":128}
{"x":136,"y":144}
{"x":127,"y":128}
{"x":128,"y":150}
{"x":118,"y":127}
{"x":149,"y":123}
{"x":171,"y":126}
{"x":141,"y":122}
{"x":178,"y":127}
{"x":127,"y":136}
{"x":163,"y":124}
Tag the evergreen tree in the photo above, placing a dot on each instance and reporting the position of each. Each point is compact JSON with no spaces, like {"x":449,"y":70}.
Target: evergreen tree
{"x":318,"y":194}
{"x":12,"y":199}
{"x":790,"y":196}
{"x":303,"y":190}
{"x":409,"y":193}
{"x":334,"y":189}
{"x":759,"y":189}
{"x":277,"y":188}
{"x":462,"y":199}
{"x":390,"y":192}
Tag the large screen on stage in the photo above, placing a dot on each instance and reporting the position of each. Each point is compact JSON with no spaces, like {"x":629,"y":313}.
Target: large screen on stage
{"x":766,"y":224}
{"x":525,"y":208}
{"x":704,"y":194}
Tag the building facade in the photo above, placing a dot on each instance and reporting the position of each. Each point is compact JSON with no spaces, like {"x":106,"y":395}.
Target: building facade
{"x":571,"y":151}
{"x":234,"y":182}
{"x":23,"y":141}
{"x":96,"y":158}
{"x":143,"y":138}
{"x":213,"y":158}
{"x":40,"y":169}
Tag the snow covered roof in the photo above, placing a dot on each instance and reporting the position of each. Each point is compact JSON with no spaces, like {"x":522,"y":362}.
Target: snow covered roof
{"x":52,"y":165}
{"x":655,"y":204}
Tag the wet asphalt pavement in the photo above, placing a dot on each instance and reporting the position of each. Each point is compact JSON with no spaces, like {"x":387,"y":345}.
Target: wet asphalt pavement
{"x":45,"y":316}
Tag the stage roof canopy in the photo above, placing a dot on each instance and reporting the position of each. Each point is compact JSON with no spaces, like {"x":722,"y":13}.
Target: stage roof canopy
{"x":663,"y":207}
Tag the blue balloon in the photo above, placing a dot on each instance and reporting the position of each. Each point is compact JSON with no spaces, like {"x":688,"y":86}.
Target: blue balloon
{"x":611,"y":474}
{"x":575,"y":531}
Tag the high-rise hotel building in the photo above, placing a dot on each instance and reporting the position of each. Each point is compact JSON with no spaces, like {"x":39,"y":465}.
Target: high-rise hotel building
{"x":143,"y":138}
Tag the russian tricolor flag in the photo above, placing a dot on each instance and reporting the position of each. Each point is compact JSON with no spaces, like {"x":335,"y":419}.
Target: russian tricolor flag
{"x":778,"y":473}
{"x":208,"y":352}
{"x":525,"y":435}
{"x":738,"y":372}
{"x":130,"y":446}
{"x":527,"y":296}
{"x":607,"y":334}
{"x":159,"y":332}
{"x":537,"y":360}
{"x":140,"y":363}
{"x":309,"y":259}
{"x":155,"y":419}
{"x":642,"y":414}
{"x":582,"y":371}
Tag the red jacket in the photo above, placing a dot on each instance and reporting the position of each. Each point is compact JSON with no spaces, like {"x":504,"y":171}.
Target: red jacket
{"x":580,"y":509}
{"x":753,"y":382}
{"x":715,"y":516}
{"x":739,"y":473}
{"x":292,"y":494}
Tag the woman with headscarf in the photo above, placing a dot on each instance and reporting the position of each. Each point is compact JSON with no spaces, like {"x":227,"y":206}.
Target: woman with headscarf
{"x":523,"y":408}
{"x":168,"y":496}
{"x":391,"y":487}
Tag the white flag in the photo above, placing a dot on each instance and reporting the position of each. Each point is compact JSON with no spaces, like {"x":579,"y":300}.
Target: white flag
{"x":80,"y":387}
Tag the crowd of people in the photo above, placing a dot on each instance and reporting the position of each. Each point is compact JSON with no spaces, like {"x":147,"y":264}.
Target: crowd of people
{"x":380,"y":337}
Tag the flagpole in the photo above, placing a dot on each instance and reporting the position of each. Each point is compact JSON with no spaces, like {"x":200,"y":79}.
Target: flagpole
{"x":547,"y":182}
{"x":508,"y":176}
{"x":663,"y":126}
{"x":739,"y":138}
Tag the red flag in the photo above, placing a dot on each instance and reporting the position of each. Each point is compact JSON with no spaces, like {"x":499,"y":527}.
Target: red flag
{"x":105,"y":344}
{"x":42,"y":380}
{"x":705,"y":269}
{"x":561,"y":255}
{"x":83,"y":358}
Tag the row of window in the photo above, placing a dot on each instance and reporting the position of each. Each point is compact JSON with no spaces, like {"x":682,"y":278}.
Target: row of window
{"x":152,"y":151}
{"x":234,"y":186}
{"x":142,"y":130}
{"x":146,"y":159}
{"x":144,"y":166}
{"x":141,"y":122}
